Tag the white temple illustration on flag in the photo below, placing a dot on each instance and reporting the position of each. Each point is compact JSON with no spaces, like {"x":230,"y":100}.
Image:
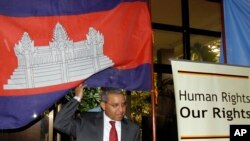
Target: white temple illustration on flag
{"x":62,"y":61}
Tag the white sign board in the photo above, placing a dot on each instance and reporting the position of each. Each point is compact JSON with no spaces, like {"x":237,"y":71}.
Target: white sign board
{"x":210,"y":98}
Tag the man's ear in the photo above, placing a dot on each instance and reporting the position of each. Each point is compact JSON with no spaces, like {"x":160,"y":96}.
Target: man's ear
{"x":102,"y":104}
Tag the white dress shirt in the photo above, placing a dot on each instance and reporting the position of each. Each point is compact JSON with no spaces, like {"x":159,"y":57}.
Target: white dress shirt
{"x":107,"y":127}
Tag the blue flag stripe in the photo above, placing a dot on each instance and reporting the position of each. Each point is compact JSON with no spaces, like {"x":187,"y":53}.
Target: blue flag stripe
{"x":18,"y":111}
{"x":139,"y":78}
{"x":26,"y":8}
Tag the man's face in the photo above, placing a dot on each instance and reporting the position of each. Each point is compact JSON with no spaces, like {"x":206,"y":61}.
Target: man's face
{"x":115,"y":107}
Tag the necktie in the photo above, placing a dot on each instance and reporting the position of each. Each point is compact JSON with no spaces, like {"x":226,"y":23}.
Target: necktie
{"x":113,"y":133}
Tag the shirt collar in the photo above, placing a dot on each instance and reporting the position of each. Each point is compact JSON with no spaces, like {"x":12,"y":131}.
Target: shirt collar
{"x":107,"y":119}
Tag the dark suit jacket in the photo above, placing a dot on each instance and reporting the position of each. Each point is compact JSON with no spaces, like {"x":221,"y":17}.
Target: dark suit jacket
{"x":89,"y":126}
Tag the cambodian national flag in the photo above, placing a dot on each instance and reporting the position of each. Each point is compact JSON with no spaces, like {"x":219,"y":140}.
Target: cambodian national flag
{"x":50,"y":46}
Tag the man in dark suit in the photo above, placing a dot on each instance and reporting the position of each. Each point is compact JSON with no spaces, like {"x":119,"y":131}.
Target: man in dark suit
{"x":96,"y":126}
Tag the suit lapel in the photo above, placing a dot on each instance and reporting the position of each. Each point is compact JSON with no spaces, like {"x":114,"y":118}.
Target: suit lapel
{"x":124,"y":130}
{"x":99,"y":125}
